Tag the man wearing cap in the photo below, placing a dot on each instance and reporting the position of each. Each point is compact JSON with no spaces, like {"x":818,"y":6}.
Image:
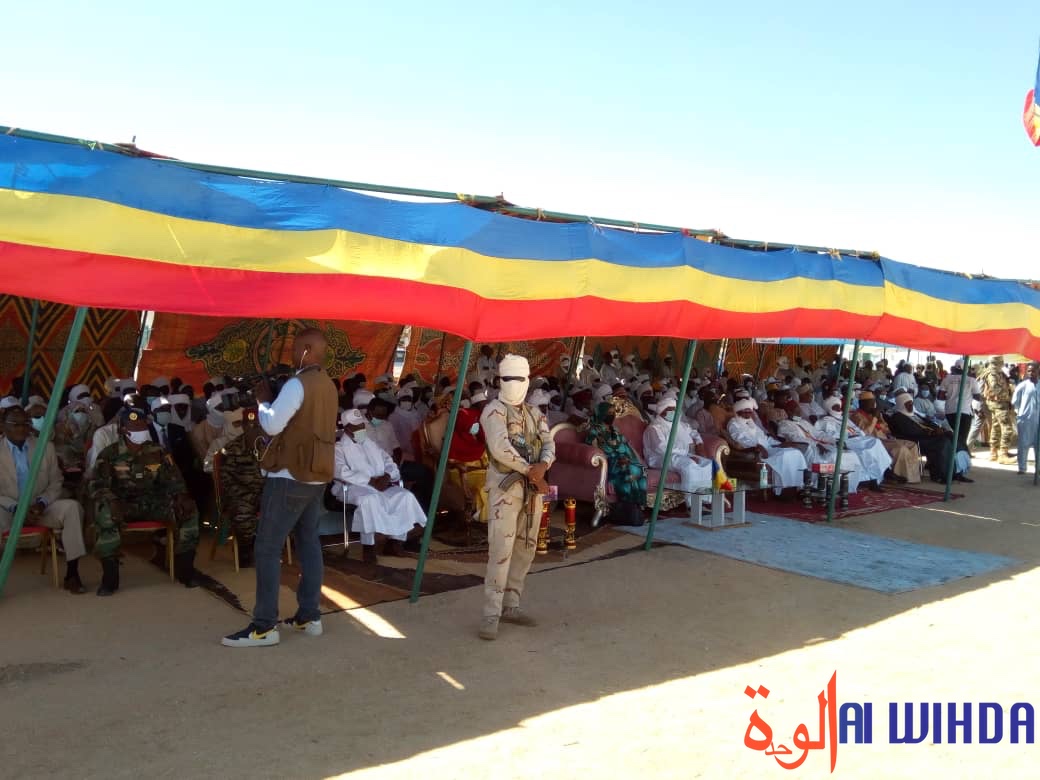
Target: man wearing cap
{"x":47,"y":508}
{"x":368,"y":478}
{"x":785,"y":461}
{"x":695,"y":472}
{"x":906,"y":455}
{"x":240,"y":481}
{"x":298,"y":462}
{"x":1026,"y":404}
{"x":74,"y":429}
{"x":518,"y":443}
{"x":135,"y":480}
{"x":996,"y":392}
{"x":935,"y":443}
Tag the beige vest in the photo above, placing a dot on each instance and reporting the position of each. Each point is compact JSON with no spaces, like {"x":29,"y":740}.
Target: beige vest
{"x":307,"y":445}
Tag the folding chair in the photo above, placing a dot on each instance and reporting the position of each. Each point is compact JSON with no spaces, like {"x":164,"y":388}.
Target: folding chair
{"x":47,"y":541}
{"x":151,"y":526}
{"x":224,"y":532}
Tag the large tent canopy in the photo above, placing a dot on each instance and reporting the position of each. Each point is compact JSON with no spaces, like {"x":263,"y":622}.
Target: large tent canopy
{"x":84,"y":225}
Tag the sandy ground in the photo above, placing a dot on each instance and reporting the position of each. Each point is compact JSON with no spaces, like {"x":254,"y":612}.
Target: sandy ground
{"x":637,"y":669}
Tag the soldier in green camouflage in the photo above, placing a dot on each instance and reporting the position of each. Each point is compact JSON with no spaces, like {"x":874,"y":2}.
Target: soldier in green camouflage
{"x":135,"y":480}
{"x":996,"y":392}
{"x":241,"y":484}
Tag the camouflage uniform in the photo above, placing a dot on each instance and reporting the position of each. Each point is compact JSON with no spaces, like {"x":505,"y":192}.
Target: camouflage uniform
{"x":145,"y":485}
{"x":71,"y":442}
{"x":996,"y":391}
{"x":241,"y":484}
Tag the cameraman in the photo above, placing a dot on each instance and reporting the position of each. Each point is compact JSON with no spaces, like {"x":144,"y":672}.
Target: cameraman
{"x":298,"y":462}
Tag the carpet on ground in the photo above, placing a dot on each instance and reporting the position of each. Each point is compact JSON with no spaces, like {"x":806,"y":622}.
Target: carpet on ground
{"x":831,"y":553}
{"x":864,"y":502}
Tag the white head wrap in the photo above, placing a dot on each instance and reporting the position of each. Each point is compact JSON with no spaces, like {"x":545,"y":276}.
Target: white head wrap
{"x":539,"y":398}
{"x":477,"y":397}
{"x":362,"y":398}
{"x":600,"y":393}
{"x":9,"y":402}
{"x":35,"y":400}
{"x":514,"y":393}
{"x":179,"y":398}
{"x":742,"y":404}
{"x":77,"y":391}
{"x":160,"y":381}
{"x":833,"y":405}
{"x":157,"y":402}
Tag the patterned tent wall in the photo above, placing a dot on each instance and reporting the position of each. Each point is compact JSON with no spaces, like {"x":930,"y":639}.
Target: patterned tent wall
{"x":424,"y":352}
{"x":745,"y":356}
{"x":195,"y":348}
{"x":656,"y":349}
{"x":105,"y":349}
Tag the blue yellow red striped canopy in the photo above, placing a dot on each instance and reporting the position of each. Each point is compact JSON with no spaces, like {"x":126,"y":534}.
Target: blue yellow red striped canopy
{"x":86,"y":226}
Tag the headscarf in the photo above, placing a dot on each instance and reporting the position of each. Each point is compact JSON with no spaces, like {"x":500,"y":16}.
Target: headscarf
{"x":603,"y":411}
{"x":76,"y":393}
{"x":742,"y":404}
{"x":514,"y":393}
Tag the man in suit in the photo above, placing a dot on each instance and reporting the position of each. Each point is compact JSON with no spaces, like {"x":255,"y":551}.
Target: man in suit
{"x":47,"y":508}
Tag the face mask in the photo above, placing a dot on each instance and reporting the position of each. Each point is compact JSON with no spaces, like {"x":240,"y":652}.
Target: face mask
{"x":514,"y":393}
{"x":36,"y":423}
{"x":474,"y":429}
{"x":138,"y":437}
{"x":163,"y":418}
{"x":216,"y":419}
{"x":80,"y":418}
{"x":925,"y":393}
{"x":376,"y":421}
{"x":406,"y":406}
{"x":669,"y":415}
{"x":360,"y":436}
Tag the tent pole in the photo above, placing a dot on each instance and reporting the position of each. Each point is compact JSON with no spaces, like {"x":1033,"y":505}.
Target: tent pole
{"x":761,"y":362}
{"x":27,"y":372}
{"x":138,"y":345}
{"x":440,"y":362}
{"x":442,"y":468}
{"x":956,"y":427}
{"x":691,"y":348}
{"x":846,"y":408}
{"x":26,"y":494}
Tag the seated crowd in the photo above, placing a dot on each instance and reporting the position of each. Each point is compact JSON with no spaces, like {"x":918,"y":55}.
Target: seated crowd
{"x":163,"y":453}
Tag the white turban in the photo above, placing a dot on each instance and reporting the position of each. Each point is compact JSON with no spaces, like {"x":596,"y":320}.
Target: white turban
{"x":742,"y":404}
{"x":539,"y":398}
{"x":601,"y":392}
{"x":9,"y":402}
{"x":214,"y":401}
{"x":514,"y":393}
{"x":362,"y":398}
{"x":352,"y":417}
{"x":160,"y":381}
{"x":35,"y":400}
{"x":477,"y":397}
{"x":157,"y":402}
{"x":833,"y":404}
{"x":179,"y":398}
{"x":514,"y":365}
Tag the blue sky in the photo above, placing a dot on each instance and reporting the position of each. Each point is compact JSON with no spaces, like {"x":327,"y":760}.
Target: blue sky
{"x":874,"y":126}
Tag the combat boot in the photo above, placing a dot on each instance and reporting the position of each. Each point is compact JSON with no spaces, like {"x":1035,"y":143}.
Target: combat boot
{"x":109,"y":577}
{"x":1007,"y":460}
{"x":184,"y":569}
{"x":994,"y":453}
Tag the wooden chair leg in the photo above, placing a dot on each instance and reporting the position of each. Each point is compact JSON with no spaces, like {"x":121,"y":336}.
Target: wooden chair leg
{"x":169,"y":553}
{"x":288,"y":549}
{"x":54,"y":560}
{"x":234,"y":550}
{"x":216,"y":542}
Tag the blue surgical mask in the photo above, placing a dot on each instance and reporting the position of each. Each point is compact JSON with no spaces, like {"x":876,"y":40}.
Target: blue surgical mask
{"x":80,"y":418}
{"x":925,"y":393}
{"x":360,"y":436}
{"x":377,"y":422}
{"x":36,"y":423}
{"x":669,"y":415}
{"x":138,"y":437}
{"x":474,"y":429}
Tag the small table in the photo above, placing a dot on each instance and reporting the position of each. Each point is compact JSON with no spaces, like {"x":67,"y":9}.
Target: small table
{"x":717,"y":518}
{"x":821,"y":493}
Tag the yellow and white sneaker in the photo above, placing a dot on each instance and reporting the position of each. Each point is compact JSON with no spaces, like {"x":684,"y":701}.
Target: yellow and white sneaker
{"x":308,"y":627}
{"x":252,"y":636}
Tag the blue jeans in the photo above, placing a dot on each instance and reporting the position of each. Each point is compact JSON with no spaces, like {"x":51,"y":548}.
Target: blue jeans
{"x":286,"y":506}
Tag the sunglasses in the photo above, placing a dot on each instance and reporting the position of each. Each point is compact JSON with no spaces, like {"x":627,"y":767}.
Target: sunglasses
{"x":513,"y":378}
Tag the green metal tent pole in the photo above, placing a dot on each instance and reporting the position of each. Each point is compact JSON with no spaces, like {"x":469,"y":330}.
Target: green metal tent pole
{"x":27,"y":373}
{"x":691,"y":348}
{"x":26,"y":494}
{"x":956,"y":428}
{"x":438,"y":482}
{"x":847,"y":406}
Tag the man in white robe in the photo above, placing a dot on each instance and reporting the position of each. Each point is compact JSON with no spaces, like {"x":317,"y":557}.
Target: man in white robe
{"x":368,"y":478}
{"x":694,"y":470}
{"x":786,"y":463}
{"x":874,"y":459}
{"x":405,"y":421}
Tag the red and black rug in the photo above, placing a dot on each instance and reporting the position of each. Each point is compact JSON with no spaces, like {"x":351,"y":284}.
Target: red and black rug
{"x":865,"y":502}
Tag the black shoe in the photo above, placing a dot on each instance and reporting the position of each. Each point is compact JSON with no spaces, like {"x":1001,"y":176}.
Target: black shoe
{"x":109,"y":577}
{"x":875,"y":486}
{"x":962,"y":478}
{"x":245,"y":557}
{"x":184,"y":569}
{"x":74,"y":584}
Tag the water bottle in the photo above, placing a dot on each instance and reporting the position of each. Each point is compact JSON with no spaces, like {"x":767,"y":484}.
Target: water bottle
{"x":763,"y":477}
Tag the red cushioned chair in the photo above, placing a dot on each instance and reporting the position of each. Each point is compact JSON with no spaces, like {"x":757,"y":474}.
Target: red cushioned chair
{"x":47,"y":542}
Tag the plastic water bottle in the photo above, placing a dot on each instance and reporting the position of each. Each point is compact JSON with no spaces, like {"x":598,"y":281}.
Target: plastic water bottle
{"x":763,"y":477}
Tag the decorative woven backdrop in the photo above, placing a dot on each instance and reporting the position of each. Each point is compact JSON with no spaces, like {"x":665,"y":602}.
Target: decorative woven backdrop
{"x":106,"y":347}
{"x":424,"y":350}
